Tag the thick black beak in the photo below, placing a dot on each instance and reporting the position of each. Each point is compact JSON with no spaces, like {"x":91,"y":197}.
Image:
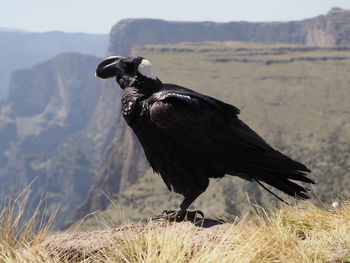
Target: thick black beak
{"x":108,"y":68}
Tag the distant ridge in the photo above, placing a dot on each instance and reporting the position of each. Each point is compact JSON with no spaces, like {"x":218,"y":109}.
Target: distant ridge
{"x":332,"y":29}
{"x":7,"y":29}
{"x":22,"y":49}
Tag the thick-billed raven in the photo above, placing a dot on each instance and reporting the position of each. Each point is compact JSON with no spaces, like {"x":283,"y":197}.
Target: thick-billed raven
{"x":189,"y":137}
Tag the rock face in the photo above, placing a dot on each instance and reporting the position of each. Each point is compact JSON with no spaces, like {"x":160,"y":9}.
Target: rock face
{"x":326,"y":30}
{"x":44,"y":132}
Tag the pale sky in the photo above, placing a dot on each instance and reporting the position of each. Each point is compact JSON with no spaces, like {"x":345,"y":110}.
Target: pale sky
{"x":98,"y":16}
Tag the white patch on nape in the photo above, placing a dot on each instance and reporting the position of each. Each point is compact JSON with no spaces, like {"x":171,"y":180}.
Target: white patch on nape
{"x":146,"y":69}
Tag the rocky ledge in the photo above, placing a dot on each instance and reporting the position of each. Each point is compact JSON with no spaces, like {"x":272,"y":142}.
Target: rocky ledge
{"x":80,"y":245}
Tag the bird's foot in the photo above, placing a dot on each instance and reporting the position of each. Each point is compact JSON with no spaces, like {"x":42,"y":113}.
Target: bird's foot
{"x":180,"y":215}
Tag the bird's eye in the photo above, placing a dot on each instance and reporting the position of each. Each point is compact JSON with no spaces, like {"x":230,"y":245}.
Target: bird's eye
{"x":128,"y":67}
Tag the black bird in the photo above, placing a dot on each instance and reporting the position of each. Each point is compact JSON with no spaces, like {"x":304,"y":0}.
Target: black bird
{"x":189,"y":137}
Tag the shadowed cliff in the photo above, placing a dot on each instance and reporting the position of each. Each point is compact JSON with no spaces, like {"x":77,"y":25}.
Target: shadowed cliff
{"x":43,"y":132}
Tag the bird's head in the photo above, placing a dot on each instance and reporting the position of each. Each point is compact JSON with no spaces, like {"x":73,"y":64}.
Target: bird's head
{"x":129,"y":71}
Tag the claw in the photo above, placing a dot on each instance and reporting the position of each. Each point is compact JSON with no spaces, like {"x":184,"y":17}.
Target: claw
{"x":168,"y":212}
{"x":180,"y":215}
{"x":172,"y":215}
{"x":193,"y":216}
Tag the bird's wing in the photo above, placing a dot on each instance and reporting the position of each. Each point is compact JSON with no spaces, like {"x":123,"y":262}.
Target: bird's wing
{"x":229,"y":111}
{"x":201,"y":122}
{"x":184,"y":120}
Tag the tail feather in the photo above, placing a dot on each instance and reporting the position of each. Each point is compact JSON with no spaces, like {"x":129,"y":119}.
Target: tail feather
{"x":277,"y":170}
{"x":274,"y":160}
{"x":300,"y":177}
{"x":286,"y":186}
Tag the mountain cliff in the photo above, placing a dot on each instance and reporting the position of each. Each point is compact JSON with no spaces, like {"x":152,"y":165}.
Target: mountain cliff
{"x":328,"y":30}
{"x":63,"y":126}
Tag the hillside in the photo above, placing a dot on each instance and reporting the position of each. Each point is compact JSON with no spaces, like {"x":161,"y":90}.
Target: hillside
{"x":296,"y":97}
{"x":327,"y":30}
{"x":20,"y":49}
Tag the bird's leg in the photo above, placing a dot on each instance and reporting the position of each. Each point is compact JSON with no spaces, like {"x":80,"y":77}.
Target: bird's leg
{"x":186,"y":203}
{"x":181,"y":213}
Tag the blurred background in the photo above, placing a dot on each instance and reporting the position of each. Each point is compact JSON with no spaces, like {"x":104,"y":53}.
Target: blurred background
{"x":285,"y":64}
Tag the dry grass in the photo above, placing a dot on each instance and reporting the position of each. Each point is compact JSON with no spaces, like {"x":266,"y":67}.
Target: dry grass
{"x":303,"y":233}
{"x":300,"y":233}
{"x":20,"y":234}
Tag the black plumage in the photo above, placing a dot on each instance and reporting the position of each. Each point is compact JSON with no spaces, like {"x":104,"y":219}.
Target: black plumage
{"x":189,"y":137}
